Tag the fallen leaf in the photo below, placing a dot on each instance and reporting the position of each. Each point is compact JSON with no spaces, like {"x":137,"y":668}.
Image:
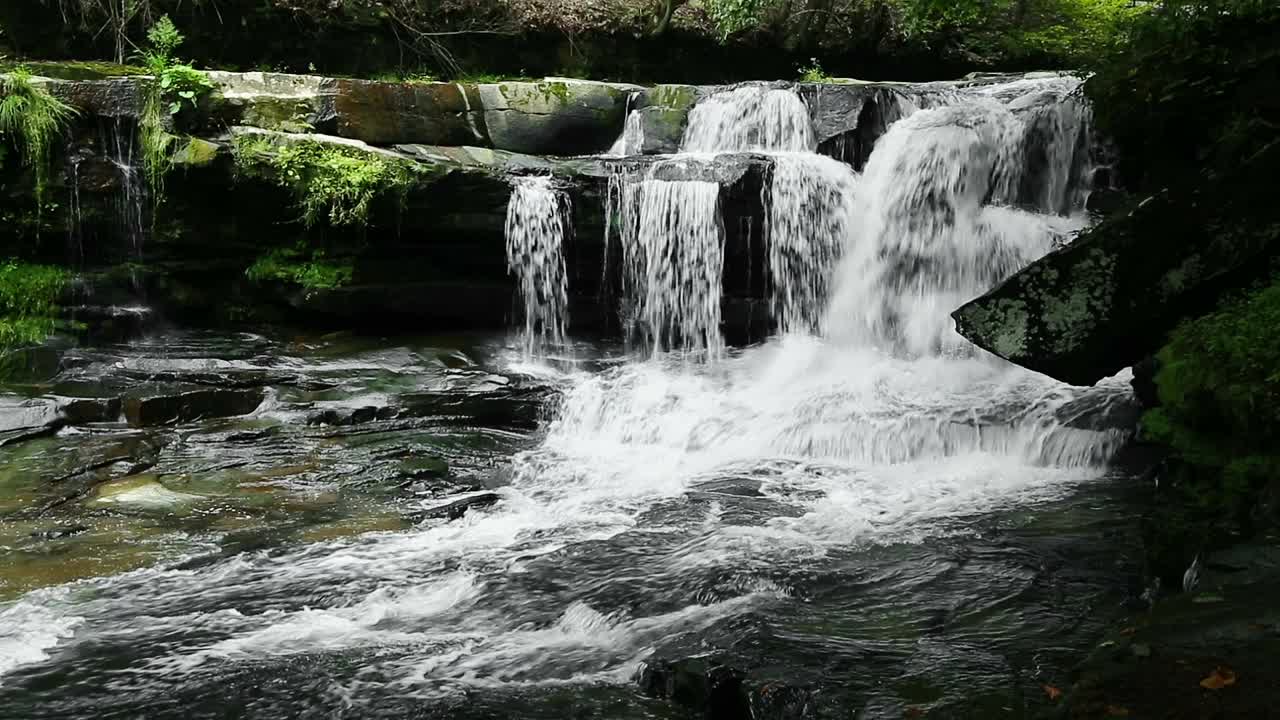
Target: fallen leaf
{"x":1117,"y":711}
{"x":1053,"y":692}
{"x":1129,"y":630}
{"x":1221,"y":677}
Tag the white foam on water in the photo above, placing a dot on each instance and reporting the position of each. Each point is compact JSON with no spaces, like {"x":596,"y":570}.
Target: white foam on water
{"x":34,"y":625}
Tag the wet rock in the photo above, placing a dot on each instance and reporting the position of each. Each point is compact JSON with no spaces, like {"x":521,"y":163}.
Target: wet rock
{"x":429,"y":113}
{"x":720,"y":692}
{"x":554,"y":116}
{"x":116,"y":97}
{"x":508,"y":408}
{"x":458,"y":508}
{"x":190,"y":406}
{"x":346,"y":416}
{"x":663,"y":113}
{"x":1101,"y":411}
{"x":83,"y":411}
{"x":849,"y":118}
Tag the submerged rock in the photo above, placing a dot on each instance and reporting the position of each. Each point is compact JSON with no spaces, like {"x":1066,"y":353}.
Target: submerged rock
{"x":458,"y":508}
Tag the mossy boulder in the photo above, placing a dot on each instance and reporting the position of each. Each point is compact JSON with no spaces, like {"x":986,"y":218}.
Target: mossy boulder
{"x":662,"y":113}
{"x":554,"y":117}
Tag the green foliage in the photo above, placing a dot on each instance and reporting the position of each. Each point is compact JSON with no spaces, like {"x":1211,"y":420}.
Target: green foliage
{"x":734,"y":16}
{"x":31,"y":119}
{"x":312,"y":271}
{"x":1219,"y":388}
{"x":183,"y":85}
{"x":1186,"y":96}
{"x":28,"y":301}
{"x":164,"y":39}
{"x":177,"y":85}
{"x":329,"y":181}
{"x":814,"y":72}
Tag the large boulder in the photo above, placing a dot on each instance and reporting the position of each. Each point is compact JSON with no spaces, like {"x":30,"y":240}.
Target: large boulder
{"x":383,"y":113}
{"x":554,"y":116}
{"x":1109,"y":299}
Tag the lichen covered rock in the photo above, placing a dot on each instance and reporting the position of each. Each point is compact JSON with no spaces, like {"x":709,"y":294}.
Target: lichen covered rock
{"x":1110,"y":298}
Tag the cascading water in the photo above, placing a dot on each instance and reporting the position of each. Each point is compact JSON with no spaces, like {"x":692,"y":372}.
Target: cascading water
{"x":120,"y":140}
{"x":538,"y":219}
{"x":673,"y":262}
{"x":817,"y":499}
{"x":749,"y":118}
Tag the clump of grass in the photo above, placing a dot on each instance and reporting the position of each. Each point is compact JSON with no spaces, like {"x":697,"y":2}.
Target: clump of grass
{"x":814,"y":72}
{"x":312,"y":271}
{"x":28,"y":301}
{"x":32,"y":118}
{"x":328,"y":181}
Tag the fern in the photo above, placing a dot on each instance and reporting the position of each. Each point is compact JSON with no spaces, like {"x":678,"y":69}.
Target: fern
{"x":32,"y":118}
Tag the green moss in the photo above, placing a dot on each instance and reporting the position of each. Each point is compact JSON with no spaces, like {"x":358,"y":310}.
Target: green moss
{"x":195,"y":153}
{"x":75,"y":69}
{"x":312,"y":271}
{"x":28,"y":301}
{"x":31,"y":119}
{"x":329,"y":181}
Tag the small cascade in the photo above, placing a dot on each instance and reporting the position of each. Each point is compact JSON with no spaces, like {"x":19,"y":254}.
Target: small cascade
{"x":631,"y":141}
{"x":673,"y":261}
{"x":811,"y":213}
{"x":121,"y":147}
{"x":750,"y":118}
{"x":538,"y":220}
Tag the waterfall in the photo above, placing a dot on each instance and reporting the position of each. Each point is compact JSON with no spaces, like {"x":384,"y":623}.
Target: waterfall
{"x":811,"y":213}
{"x":749,"y":118}
{"x":120,"y":140}
{"x":937,"y":222}
{"x":538,"y":218}
{"x":673,"y":262}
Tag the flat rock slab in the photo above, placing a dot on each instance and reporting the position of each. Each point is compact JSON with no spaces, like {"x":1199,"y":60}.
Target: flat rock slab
{"x":190,"y":406}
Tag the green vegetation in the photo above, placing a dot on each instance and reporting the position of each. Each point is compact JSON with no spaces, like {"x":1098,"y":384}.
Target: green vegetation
{"x":1184,"y":98}
{"x":31,"y":119}
{"x":329,"y":181}
{"x":312,"y":271}
{"x":28,"y":301}
{"x":176,"y":86}
{"x":814,"y":73}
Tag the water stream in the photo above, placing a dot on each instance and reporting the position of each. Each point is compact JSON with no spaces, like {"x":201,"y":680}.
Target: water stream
{"x":862,"y":505}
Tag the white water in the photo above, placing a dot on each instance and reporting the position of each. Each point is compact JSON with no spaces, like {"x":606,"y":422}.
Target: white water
{"x":748,"y":118}
{"x":673,"y":262}
{"x":884,"y":429}
{"x":538,"y":219}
